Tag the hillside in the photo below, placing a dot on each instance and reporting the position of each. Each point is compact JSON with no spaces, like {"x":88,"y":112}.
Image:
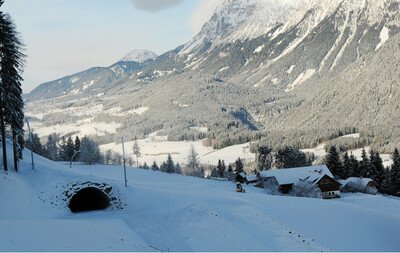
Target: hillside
{"x":254,"y":67}
{"x":162,"y":212}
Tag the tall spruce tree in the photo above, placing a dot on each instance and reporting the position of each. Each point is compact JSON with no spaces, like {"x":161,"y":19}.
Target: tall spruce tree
{"x":290,"y":157}
{"x":354,"y":171}
{"x":2,"y":104}
{"x":11,"y":103}
{"x":35,"y":145}
{"x":395,"y":174}
{"x":52,"y":147}
{"x":377,"y":167}
{"x":263,"y":163}
{"x":69,"y":148}
{"x":169,"y":166}
{"x":90,"y":151}
{"x":333,"y":162}
{"x":221,"y":168}
{"x":154,"y":166}
{"x":346,"y":167}
{"x":62,"y":152}
{"x":238,"y":166}
{"x":365,"y":165}
{"x":77,"y":147}
{"x":386,"y":184}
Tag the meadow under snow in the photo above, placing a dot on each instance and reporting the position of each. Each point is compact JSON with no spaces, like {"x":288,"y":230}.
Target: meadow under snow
{"x":166,"y":212}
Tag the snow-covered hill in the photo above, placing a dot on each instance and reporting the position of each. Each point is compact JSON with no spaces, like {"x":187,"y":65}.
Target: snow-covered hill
{"x":163,"y":212}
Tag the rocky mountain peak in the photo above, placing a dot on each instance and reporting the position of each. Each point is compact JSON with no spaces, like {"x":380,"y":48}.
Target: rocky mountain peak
{"x":139,"y":55}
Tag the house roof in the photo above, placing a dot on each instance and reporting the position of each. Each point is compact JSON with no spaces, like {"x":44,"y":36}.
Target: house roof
{"x":357,"y":180}
{"x":293,"y":175}
{"x":252,"y":177}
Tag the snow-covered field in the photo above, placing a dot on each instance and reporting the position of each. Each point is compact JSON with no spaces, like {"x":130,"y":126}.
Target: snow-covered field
{"x":156,"y":148}
{"x":177,"y":213}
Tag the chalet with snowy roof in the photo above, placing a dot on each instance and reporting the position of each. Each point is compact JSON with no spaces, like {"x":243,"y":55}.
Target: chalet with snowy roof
{"x":318,"y":175}
{"x":355,"y":184}
{"x":252,"y":179}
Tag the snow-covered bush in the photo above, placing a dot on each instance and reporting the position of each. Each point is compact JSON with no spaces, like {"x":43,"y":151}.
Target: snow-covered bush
{"x":271,"y":186}
{"x":304,"y":188}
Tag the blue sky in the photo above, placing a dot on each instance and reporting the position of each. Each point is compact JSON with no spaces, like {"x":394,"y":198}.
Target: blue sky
{"x":63,"y":37}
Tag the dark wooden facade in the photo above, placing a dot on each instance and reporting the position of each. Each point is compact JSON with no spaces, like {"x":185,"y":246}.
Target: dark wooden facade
{"x":327,"y":184}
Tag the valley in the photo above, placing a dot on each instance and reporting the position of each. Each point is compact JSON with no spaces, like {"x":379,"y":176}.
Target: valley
{"x":290,"y":74}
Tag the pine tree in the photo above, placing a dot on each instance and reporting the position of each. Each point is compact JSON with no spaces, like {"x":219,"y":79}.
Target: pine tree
{"x":386,"y":184}
{"x":69,"y":149}
{"x":169,"y":165}
{"x":11,"y":103}
{"x":290,"y":158}
{"x":62,"y":152}
{"x":395,"y":174}
{"x":214,"y":172}
{"x":154,"y":166}
{"x":377,"y":167}
{"x":333,"y":162}
{"x":365,"y":165}
{"x":145,"y":166}
{"x":263,"y":163}
{"x":178,"y":169}
{"x":52,"y":147}
{"x":90,"y":151}
{"x":346,"y":167}
{"x":163,"y":166}
{"x":35,"y":145}
{"x":354,"y":171}
{"x":238,"y":166}
{"x":77,"y":147}
{"x":230,"y":175}
{"x":221,"y":168}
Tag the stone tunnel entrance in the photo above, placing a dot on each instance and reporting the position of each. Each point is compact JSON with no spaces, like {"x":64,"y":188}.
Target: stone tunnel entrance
{"x":89,"y":199}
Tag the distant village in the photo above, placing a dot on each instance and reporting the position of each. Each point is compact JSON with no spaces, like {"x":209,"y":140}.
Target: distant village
{"x":312,"y":181}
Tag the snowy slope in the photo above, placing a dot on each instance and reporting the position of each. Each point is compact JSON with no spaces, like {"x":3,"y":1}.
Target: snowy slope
{"x":242,"y":19}
{"x":139,"y":55}
{"x":178,"y":213}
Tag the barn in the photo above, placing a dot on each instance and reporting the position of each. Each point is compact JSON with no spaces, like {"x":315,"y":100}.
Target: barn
{"x":355,"y":184}
{"x":318,"y":175}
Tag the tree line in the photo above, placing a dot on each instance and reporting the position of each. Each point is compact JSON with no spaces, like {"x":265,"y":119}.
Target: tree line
{"x":66,"y":149}
{"x":11,"y":103}
{"x":370,"y":166}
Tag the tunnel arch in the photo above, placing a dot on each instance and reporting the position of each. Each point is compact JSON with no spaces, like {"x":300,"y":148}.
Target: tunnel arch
{"x":89,"y":199}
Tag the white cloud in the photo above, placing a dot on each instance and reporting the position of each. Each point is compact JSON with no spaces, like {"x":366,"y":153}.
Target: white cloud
{"x":203,"y":13}
{"x":155,"y":5}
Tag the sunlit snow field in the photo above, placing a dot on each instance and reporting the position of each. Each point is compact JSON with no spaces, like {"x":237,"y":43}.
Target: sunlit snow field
{"x":177,"y":213}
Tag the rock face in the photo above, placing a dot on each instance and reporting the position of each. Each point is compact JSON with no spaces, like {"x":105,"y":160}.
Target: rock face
{"x":303,"y":69}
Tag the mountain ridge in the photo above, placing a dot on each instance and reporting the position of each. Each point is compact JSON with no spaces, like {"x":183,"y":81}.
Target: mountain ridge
{"x":252,"y":85}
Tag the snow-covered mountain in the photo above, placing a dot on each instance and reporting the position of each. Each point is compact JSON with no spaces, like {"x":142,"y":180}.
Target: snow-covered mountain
{"x":167,"y":212}
{"x":254,"y":65}
{"x":242,"y":19}
{"x":140,"y":55}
